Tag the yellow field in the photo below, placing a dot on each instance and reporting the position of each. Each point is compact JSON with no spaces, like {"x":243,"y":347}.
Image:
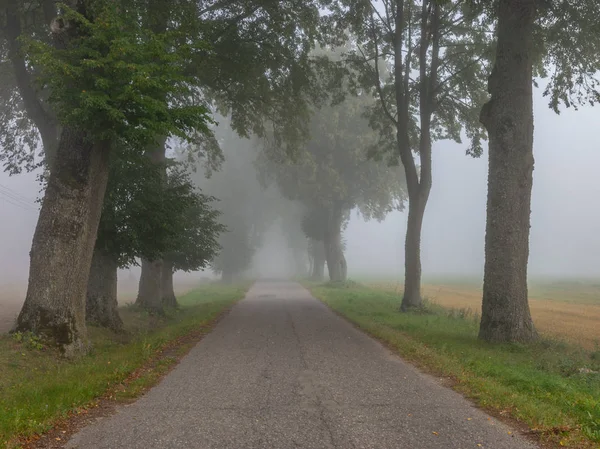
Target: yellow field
{"x":570,"y":311}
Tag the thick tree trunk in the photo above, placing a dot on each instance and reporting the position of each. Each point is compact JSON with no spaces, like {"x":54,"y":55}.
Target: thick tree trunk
{"x":150,"y":287}
{"x":61,"y":253}
{"x":334,"y":254}
{"x":101,"y":304}
{"x":508,"y":117}
{"x":412,"y":255}
{"x":168,"y":291}
{"x":318,"y":258}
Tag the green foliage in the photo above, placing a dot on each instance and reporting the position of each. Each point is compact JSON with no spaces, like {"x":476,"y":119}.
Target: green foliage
{"x":111,"y":76}
{"x":195,"y":229}
{"x":459,"y":67}
{"x":567,"y":38}
{"x":30,"y":340}
{"x":133,"y":222}
{"x":143,"y":216}
{"x":260,"y":72}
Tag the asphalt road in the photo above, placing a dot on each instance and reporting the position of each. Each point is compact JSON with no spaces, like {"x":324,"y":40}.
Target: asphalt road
{"x":282,"y":371}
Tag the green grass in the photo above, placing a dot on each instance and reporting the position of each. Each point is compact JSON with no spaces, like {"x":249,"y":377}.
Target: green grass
{"x":541,"y":385}
{"x":37,"y":387}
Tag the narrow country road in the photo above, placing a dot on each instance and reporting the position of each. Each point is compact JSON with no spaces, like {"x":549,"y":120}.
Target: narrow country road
{"x":282,"y":371}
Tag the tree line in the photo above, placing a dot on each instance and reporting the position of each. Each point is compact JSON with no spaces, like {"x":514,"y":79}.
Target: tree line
{"x":335,"y":104}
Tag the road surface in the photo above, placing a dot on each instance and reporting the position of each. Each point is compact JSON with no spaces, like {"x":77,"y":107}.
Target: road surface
{"x":282,"y":371}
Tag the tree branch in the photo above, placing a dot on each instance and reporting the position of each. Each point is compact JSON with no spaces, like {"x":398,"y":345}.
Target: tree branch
{"x":377,"y":75}
{"x":45,"y":123}
{"x":458,"y":73}
{"x":410,"y":169}
{"x":384,"y":22}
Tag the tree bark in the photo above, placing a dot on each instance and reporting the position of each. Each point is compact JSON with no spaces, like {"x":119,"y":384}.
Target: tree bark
{"x":150,"y":287}
{"x":508,"y":118}
{"x":412,"y":254}
{"x":63,"y":242}
{"x":318,"y":260}
{"x":168,"y":291}
{"x":334,"y":254}
{"x":101,"y":304}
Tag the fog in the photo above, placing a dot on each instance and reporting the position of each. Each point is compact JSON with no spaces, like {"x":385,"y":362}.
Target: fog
{"x":565,"y":240}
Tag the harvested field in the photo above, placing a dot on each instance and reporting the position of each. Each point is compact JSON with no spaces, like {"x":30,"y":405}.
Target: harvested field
{"x":565,"y":310}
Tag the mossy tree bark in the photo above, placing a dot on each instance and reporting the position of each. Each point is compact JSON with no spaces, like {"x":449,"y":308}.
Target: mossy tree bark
{"x":63,"y":242}
{"x":101,"y":303}
{"x":150,"y":286}
{"x":168,"y":291}
{"x":334,"y":253}
{"x":318,"y":260}
{"x":508,"y":118}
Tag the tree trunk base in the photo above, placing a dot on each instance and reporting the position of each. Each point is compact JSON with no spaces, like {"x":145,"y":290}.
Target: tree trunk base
{"x":499,"y":332}
{"x":411,"y":301}
{"x":150,"y":289}
{"x":169,"y":299}
{"x":63,"y":243}
{"x":101,"y":303}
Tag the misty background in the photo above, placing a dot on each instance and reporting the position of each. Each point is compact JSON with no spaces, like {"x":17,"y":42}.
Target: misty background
{"x":565,"y":234}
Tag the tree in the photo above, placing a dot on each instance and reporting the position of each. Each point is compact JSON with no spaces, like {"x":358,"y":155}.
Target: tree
{"x":316,"y":252}
{"x":131,"y":206}
{"x":247,"y":210}
{"x":426,"y":63}
{"x":256,"y":68}
{"x":331,"y":176}
{"x":508,"y":117}
{"x":108,"y":79}
{"x":532,"y":35}
{"x":194,"y":236}
{"x":143,"y":219}
{"x":26,"y":114}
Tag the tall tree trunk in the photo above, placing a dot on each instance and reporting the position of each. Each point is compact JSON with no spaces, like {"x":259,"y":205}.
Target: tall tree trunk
{"x":150,"y":287}
{"x":168,"y":291}
{"x":318,"y":257}
{"x":336,"y":262}
{"x":508,"y":118}
{"x":101,"y":304}
{"x":63,"y":242}
{"x":418,"y":187}
{"x":412,"y":255}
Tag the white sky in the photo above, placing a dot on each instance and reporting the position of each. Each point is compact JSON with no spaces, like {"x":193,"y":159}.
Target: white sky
{"x":565,"y":234}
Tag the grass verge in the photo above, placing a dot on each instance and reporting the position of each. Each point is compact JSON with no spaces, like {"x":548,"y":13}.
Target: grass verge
{"x":551,"y":386}
{"x":38,"y":389}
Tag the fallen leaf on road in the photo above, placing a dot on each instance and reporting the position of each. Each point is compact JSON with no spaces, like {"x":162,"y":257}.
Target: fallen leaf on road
{"x":435,"y":433}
